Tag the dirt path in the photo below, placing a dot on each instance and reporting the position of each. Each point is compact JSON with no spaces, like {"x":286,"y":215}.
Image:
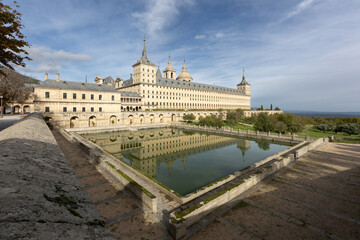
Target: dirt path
{"x":119,"y":208}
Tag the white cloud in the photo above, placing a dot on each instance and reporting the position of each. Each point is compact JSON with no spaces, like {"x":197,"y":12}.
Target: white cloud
{"x":200,"y":36}
{"x":49,"y":60}
{"x":219,"y":35}
{"x":298,"y":9}
{"x":158,"y":14}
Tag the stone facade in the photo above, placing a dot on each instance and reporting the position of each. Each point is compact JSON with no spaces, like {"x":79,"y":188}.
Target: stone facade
{"x":133,"y":101}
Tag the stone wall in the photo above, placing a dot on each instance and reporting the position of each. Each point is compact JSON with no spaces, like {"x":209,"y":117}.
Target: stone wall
{"x":41,"y":197}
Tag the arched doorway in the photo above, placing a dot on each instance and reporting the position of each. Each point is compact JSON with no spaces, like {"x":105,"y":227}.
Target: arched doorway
{"x":74,"y":122}
{"x":152,"y":118}
{"x":92,"y":121}
{"x":173,"y":118}
{"x":17,"y":109}
{"x":112,"y":120}
{"x":161,"y":117}
{"x":142,"y":119}
{"x":131,"y":119}
{"x":26,"y":109}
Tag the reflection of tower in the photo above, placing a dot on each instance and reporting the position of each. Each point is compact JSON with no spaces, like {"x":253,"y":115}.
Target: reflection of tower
{"x":169,"y":164}
{"x":243,"y":145}
{"x":184,"y":162}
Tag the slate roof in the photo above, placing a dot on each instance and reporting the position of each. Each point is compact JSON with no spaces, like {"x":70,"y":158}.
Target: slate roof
{"x":191,"y":85}
{"x":61,"y":84}
{"x":108,"y":80}
{"x":197,"y":86}
{"x":129,"y":94}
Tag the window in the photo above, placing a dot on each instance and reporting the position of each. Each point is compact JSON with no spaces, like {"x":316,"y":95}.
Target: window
{"x":74,"y":95}
{"x":92,"y":96}
{"x":47,"y":109}
{"x":112,"y":97}
{"x":64,"y":109}
{"x":64,"y":95}
{"x":83,"y":109}
{"x":100,"y":109}
{"x":83,"y":96}
{"x":100,"y":97}
{"x":74,"y":109}
{"x":47,"y":94}
{"x":92,"y":109}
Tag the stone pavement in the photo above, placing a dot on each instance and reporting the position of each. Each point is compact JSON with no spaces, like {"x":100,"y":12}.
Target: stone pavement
{"x":317,"y":197}
{"x":40,"y":196}
{"x":9,"y":120}
{"x":119,"y":207}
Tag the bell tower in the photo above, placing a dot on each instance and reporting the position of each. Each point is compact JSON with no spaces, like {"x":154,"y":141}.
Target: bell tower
{"x":169,"y":71}
{"x":244,"y":85}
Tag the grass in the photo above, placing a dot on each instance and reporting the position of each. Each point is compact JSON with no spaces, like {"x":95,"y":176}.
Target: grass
{"x":240,"y":126}
{"x":310,"y":131}
{"x":187,"y":211}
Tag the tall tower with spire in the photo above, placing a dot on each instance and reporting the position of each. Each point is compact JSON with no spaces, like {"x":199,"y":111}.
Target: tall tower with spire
{"x":144,"y":69}
{"x":244,"y":85}
{"x":169,"y":71}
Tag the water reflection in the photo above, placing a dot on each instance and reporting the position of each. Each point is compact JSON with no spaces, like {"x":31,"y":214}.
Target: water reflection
{"x":181,"y":159}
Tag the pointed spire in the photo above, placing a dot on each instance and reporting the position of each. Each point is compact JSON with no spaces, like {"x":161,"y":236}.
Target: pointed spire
{"x":184,"y":67}
{"x":158,"y":73}
{"x":144,"y":55}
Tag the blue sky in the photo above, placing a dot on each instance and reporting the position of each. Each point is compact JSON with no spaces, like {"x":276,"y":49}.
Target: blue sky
{"x":298,"y":54}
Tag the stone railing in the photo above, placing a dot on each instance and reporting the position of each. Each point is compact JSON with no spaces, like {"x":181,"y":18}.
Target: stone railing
{"x":40,"y":194}
{"x":246,"y":133}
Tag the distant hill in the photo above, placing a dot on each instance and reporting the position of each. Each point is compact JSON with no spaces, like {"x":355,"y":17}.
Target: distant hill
{"x":27,"y":79}
{"x":323,"y":114}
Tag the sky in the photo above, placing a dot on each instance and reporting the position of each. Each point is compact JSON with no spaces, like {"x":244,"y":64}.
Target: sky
{"x":297,"y":54}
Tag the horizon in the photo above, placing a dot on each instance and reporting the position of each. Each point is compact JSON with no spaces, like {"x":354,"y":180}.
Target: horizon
{"x":295,"y":54}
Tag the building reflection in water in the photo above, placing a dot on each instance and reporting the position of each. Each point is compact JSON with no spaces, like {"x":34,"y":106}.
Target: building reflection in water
{"x":147,"y":149}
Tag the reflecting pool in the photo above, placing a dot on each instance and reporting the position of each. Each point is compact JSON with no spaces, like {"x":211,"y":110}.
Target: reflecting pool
{"x":184,"y":160}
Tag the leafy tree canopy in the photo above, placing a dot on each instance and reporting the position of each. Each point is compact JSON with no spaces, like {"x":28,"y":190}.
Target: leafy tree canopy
{"x":11,"y":38}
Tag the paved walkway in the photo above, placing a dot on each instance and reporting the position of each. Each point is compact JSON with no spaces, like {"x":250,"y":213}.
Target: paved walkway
{"x":9,"y":120}
{"x":318,"y":197}
{"x":118,"y":206}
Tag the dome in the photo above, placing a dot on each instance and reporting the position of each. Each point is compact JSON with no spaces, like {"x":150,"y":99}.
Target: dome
{"x":184,"y":75}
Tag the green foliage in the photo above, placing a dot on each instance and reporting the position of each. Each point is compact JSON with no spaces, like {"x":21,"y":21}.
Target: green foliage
{"x":212,"y":121}
{"x":284,"y":122}
{"x":348,"y":128}
{"x":324,"y":127}
{"x":189,"y":117}
{"x":234,"y":117}
{"x":277,"y":108}
{"x":263,"y":123}
{"x":12,"y":39}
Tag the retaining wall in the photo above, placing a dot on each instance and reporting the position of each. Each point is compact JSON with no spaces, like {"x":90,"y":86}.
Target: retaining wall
{"x":100,"y":157}
{"x":41,"y":197}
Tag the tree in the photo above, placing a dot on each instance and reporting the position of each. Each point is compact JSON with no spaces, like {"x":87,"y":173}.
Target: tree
{"x":11,"y":38}
{"x":271,"y":107}
{"x":263,"y":123}
{"x":212,"y":121}
{"x":233,"y":117}
{"x":13,"y":88}
{"x":189,"y":117}
{"x":277,"y":108}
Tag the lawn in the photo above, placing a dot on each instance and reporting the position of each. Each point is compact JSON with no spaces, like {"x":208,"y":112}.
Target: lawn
{"x":312,"y":132}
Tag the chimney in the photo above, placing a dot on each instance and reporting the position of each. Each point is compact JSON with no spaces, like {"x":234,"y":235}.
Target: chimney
{"x":46,"y":76}
{"x":57,"y":77}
